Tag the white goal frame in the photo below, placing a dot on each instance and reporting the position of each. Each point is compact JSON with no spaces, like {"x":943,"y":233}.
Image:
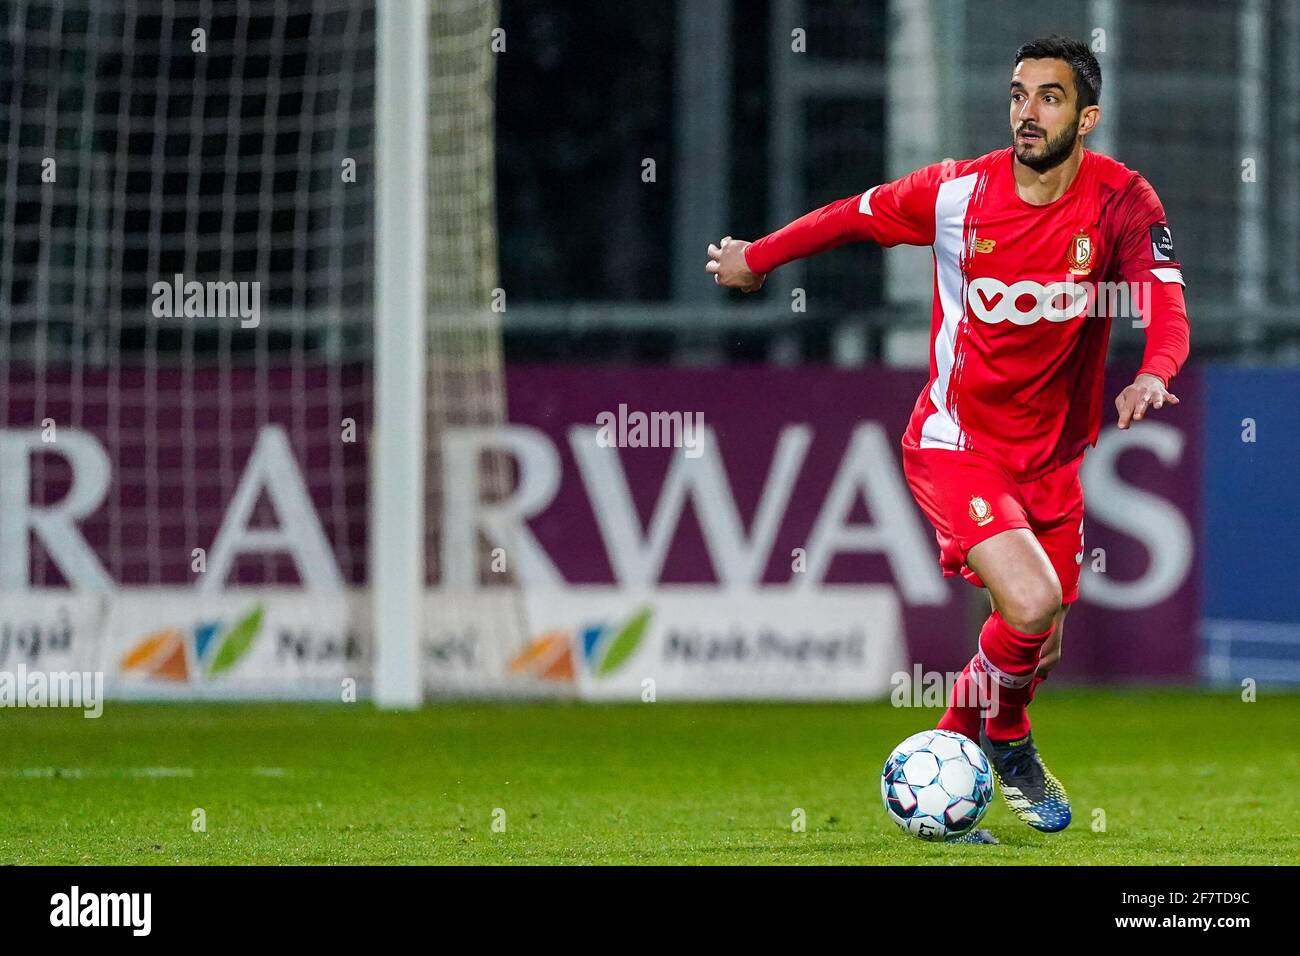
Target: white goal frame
{"x":397,"y":449}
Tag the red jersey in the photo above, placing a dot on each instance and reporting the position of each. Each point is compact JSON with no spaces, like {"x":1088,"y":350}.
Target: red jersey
{"x":1023,"y":296}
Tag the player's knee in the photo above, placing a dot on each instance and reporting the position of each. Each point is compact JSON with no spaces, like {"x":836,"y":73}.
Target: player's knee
{"x":1032,"y":606}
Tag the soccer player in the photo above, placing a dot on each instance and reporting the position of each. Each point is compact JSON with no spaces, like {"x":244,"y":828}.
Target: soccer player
{"x":1023,"y":239}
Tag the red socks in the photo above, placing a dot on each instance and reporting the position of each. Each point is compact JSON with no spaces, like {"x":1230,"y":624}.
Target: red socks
{"x":1033,"y":686}
{"x":997,"y":684}
{"x":964,"y":708}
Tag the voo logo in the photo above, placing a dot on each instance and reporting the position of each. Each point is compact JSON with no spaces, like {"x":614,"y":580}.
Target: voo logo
{"x":1026,"y":301}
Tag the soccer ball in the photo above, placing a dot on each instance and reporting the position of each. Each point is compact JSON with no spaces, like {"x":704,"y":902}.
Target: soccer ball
{"x":936,"y":784}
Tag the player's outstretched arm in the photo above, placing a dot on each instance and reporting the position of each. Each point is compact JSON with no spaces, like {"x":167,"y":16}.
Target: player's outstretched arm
{"x":1147,"y":257}
{"x":1168,"y":334}
{"x":898,"y":212}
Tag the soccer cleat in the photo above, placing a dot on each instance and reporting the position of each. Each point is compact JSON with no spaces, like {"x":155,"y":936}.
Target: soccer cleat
{"x":1031,"y":791}
{"x":975,"y":836}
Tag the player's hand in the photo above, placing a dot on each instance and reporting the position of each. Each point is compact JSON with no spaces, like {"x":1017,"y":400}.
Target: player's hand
{"x":727,"y":266}
{"x":1146,"y":392}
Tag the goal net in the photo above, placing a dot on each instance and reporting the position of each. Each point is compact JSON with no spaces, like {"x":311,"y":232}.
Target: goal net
{"x":465,"y":374}
{"x":187,"y":278}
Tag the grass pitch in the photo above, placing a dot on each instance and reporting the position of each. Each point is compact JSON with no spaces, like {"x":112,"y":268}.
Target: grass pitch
{"x":1180,"y":776}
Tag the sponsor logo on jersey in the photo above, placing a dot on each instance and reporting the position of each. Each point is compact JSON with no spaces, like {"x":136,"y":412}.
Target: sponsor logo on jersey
{"x":985,"y":245}
{"x":981,"y":512}
{"x":1162,"y":243}
{"x":1026,"y":302}
{"x":1080,"y":256}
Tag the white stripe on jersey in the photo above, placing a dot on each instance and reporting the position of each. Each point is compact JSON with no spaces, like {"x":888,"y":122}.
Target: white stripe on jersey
{"x":864,"y":204}
{"x":940,"y":429}
{"x":1169,"y":275}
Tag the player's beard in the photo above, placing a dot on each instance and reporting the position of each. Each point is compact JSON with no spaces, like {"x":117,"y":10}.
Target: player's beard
{"x":1055,"y":152}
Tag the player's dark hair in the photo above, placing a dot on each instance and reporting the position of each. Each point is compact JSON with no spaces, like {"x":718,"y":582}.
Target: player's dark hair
{"x":1086,"y":69}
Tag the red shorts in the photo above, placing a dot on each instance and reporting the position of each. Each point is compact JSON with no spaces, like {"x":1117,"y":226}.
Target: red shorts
{"x":969,"y":497}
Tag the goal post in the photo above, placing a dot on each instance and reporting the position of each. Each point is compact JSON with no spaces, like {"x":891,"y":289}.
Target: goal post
{"x":438,"y":363}
{"x":397,"y":488}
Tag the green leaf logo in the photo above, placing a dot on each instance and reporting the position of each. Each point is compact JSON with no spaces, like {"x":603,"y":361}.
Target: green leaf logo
{"x":238,"y":641}
{"x":623,"y":644}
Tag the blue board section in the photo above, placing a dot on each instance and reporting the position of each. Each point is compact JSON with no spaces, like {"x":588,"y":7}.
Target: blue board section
{"x":1251,"y":563}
